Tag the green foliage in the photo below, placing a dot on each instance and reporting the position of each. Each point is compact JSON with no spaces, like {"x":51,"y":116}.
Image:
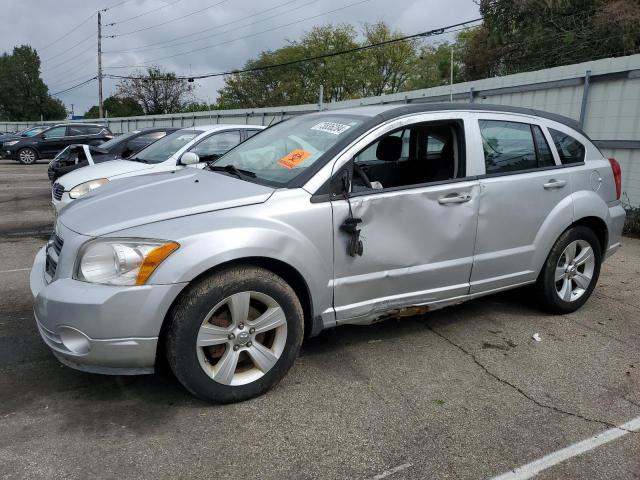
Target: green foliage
{"x":23,"y":94}
{"x":516,"y":36}
{"x":116,"y":107}
{"x":526,"y":35}
{"x":198,"y":107}
{"x":370,"y":72}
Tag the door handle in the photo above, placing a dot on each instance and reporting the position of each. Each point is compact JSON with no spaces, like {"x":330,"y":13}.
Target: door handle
{"x":454,"y":198}
{"x":553,"y":183}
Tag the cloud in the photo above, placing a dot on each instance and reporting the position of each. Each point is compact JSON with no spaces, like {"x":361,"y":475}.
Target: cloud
{"x":235,"y":32}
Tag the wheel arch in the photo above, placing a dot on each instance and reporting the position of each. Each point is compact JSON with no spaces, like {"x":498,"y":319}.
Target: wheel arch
{"x":599,"y":227}
{"x":312,"y":324}
{"x":31,"y":147}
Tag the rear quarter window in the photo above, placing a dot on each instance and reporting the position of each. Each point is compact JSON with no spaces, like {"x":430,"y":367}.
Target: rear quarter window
{"x":569,"y":149}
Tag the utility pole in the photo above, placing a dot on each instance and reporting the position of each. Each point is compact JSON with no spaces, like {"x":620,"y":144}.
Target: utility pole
{"x":321,"y":102}
{"x":451,"y":80}
{"x":100,"y":105}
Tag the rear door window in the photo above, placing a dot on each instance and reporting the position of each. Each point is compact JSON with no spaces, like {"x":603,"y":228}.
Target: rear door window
{"x":77,"y":130}
{"x":94,"y":129}
{"x":545,"y":157}
{"x":57,"y":132}
{"x":569,"y":149}
{"x":513,"y":147}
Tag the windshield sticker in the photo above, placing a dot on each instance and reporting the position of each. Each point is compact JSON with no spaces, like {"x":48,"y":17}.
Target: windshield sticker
{"x":293,"y":159}
{"x":331,"y":127}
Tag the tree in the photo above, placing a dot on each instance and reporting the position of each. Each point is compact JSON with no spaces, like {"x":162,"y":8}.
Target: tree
{"x":351,"y":75}
{"x":156,"y":91}
{"x":23,"y":94}
{"x":117,"y":107}
{"x":385,"y":69}
{"x":523,"y":35}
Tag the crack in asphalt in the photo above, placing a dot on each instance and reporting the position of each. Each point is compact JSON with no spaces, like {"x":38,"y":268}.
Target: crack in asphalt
{"x":519,"y":390}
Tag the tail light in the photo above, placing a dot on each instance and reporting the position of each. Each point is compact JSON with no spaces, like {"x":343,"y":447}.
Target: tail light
{"x":617,"y":176}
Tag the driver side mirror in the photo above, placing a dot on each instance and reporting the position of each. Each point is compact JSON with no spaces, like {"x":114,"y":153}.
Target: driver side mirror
{"x":189,"y":158}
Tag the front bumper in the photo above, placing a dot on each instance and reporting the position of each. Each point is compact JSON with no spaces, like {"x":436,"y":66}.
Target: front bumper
{"x":65,"y":200}
{"x":8,"y":153}
{"x":100,"y":328}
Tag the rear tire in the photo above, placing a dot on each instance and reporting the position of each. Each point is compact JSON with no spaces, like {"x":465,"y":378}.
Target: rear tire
{"x":571,"y":271}
{"x":27,"y":156}
{"x":234,"y":334}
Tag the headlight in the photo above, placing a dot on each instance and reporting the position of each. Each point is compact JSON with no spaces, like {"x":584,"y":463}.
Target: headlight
{"x":12,"y":142}
{"x":121,"y":262}
{"x":86,"y":187}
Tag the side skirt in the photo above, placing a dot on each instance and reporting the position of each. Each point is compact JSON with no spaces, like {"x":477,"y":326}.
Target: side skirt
{"x":422,"y":308}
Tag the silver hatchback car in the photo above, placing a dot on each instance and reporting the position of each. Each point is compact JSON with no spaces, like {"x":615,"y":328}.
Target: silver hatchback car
{"x":339,"y":217}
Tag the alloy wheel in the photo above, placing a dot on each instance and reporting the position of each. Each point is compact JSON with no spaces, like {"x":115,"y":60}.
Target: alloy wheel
{"x":241,"y":338}
{"x":27,"y":156}
{"x":574,"y":271}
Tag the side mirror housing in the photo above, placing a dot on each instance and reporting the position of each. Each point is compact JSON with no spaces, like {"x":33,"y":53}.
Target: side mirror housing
{"x":189,"y":158}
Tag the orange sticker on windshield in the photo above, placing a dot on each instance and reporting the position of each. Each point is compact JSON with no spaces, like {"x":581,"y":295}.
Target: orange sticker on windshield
{"x":293,"y":159}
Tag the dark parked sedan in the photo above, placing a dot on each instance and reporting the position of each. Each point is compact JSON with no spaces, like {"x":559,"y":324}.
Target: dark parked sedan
{"x":123,"y":146}
{"x":45,"y":144}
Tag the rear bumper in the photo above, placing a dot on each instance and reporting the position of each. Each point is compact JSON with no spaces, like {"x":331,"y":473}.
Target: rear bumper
{"x":615,"y":226}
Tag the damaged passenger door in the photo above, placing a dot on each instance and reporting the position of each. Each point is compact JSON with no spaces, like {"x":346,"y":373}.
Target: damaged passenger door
{"x":405,"y":216}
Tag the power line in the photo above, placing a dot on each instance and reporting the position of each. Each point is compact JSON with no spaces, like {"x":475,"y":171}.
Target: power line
{"x":116,"y":5}
{"x":68,"y":49}
{"x":73,"y":30}
{"x":71,"y":59}
{"x":429,"y":33}
{"x":75,"y":86}
{"x":167,"y":22}
{"x":62,"y":84}
{"x":146,"y":47}
{"x":243,"y":37}
{"x":142,"y":14}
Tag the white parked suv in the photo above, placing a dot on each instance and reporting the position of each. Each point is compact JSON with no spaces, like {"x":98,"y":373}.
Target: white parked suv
{"x":207,"y":142}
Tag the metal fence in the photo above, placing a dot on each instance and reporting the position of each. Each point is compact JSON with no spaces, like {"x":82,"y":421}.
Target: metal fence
{"x":604,"y":95}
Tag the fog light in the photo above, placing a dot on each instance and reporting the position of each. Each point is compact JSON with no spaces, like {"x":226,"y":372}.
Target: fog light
{"x":74,"y":340}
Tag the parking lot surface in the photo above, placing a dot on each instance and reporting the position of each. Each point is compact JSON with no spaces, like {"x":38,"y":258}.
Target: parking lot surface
{"x":460,"y":393}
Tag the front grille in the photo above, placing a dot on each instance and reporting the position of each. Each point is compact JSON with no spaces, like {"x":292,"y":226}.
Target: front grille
{"x":53,"y":255}
{"x":57,"y":244}
{"x":58,"y":190}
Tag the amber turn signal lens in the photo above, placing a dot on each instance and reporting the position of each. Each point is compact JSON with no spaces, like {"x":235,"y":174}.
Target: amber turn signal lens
{"x":154,"y":258}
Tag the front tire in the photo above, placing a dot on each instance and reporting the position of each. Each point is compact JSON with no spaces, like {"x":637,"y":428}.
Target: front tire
{"x":234,"y":334}
{"x":27,"y":156}
{"x":571,"y":271}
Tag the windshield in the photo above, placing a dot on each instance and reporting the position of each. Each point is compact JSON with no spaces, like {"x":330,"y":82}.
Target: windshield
{"x":161,"y":150}
{"x":30,"y":132}
{"x":117,"y":140}
{"x":284,"y":151}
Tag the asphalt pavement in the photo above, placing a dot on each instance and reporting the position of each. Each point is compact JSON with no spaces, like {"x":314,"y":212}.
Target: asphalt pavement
{"x":460,"y":393}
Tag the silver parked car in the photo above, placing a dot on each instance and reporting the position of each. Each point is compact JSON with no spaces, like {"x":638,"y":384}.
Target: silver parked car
{"x":339,"y":217}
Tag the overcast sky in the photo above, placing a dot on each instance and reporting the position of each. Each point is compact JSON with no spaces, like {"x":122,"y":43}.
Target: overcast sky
{"x":232,"y":32}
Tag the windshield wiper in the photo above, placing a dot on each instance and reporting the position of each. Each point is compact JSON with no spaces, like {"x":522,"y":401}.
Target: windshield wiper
{"x":136,"y":159}
{"x":238,"y":172}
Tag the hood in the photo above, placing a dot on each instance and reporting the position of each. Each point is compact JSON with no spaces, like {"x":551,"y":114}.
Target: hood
{"x":7,"y":137}
{"x":139,"y":200}
{"x":110,"y":170}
